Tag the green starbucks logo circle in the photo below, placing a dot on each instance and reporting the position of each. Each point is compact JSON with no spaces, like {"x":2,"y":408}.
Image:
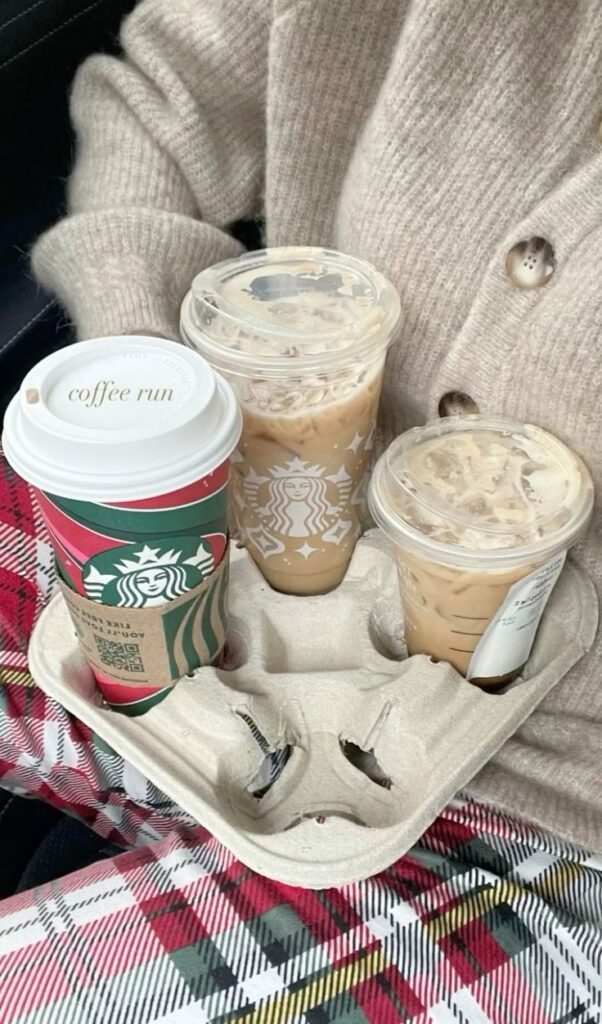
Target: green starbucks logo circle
{"x":148,"y":575}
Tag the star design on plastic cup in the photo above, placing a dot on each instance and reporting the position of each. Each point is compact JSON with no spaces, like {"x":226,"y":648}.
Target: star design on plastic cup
{"x":306,"y":550}
{"x":265,"y":542}
{"x":338,"y":532}
{"x":354,"y":445}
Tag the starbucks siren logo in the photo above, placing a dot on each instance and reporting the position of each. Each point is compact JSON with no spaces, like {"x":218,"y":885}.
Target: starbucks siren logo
{"x":298,"y":500}
{"x":150,"y":575}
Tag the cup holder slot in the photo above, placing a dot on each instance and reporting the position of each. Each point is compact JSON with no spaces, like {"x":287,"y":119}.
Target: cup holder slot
{"x":236,"y":651}
{"x":335,"y":643}
{"x":385,"y":628}
{"x":366,"y":763}
{"x":275,"y":759}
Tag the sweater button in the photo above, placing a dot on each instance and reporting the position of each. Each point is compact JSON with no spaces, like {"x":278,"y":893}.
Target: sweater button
{"x":530,"y":264}
{"x":457,"y":403}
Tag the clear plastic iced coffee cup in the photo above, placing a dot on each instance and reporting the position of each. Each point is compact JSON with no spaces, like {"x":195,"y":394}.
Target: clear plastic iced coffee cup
{"x":482,"y":513}
{"x":301,"y":334}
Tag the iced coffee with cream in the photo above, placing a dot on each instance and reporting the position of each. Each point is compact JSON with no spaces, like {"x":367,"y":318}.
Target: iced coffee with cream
{"x":482,"y":513}
{"x":301,"y":334}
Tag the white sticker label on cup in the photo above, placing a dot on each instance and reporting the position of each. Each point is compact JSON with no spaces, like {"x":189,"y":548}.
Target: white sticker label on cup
{"x":507,"y":641}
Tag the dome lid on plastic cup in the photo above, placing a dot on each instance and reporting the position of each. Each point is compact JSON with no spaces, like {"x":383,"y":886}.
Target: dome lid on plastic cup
{"x":479,"y":491}
{"x":120,"y":419}
{"x":265,"y":309}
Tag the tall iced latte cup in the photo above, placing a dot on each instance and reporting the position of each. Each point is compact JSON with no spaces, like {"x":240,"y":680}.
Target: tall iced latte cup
{"x":482,"y":513}
{"x":301,"y":335}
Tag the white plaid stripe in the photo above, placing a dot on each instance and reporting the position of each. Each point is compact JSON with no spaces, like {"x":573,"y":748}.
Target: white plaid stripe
{"x":45,"y":578}
{"x":573,"y":966}
{"x":193,"y":1013}
{"x":181,"y":871}
{"x":134,"y":783}
{"x":264,"y":984}
{"x":17,"y":550}
{"x":375,"y":909}
{"x":59,"y":748}
{"x":20,"y":929}
{"x":12,"y":659}
{"x":240,"y":949}
{"x":534,"y":865}
{"x":465,"y":1007}
{"x":304,"y":964}
{"x":98,"y":900}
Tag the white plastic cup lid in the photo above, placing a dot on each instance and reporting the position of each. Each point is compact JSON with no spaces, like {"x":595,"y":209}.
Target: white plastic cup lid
{"x":481,"y":492}
{"x":120,"y":418}
{"x":293,"y":306}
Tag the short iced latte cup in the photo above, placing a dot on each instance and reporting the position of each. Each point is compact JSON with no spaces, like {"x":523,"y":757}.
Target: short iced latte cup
{"x":301,"y":334}
{"x":482,"y":513}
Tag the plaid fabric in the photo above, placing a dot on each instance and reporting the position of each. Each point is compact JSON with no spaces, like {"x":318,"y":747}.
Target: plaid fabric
{"x":43,"y":751}
{"x":487,"y":921}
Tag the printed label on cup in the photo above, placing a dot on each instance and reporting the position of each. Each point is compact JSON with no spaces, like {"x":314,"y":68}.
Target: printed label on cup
{"x":507,"y":641}
{"x":153,"y":646}
{"x":95,"y":540}
{"x":299,"y":489}
{"x":298,"y":500}
{"x":147,"y":575}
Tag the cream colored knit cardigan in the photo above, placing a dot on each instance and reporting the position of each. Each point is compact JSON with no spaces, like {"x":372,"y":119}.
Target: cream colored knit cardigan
{"x":427,"y":136}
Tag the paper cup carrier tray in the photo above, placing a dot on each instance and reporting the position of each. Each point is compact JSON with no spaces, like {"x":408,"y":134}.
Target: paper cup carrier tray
{"x":320,"y":752}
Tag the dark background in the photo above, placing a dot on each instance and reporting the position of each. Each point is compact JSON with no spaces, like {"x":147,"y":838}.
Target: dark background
{"x":42,"y":42}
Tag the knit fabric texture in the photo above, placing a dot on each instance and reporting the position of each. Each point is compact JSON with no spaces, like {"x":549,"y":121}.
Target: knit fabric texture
{"x":428,"y":137}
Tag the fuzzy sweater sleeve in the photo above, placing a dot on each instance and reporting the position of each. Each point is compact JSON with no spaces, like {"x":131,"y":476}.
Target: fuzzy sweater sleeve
{"x":170,"y":149}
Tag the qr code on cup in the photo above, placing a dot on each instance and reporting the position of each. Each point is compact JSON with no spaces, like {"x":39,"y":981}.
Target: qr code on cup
{"x":116,"y":655}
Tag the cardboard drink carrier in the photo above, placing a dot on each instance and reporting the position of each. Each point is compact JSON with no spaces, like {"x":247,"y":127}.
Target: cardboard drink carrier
{"x":319,"y":752}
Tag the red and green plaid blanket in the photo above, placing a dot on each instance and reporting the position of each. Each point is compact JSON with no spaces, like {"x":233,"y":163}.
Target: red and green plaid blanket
{"x":485,"y":921}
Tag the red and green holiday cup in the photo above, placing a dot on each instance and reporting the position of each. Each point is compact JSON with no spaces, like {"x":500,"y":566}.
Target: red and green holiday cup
{"x":126,"y":442}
